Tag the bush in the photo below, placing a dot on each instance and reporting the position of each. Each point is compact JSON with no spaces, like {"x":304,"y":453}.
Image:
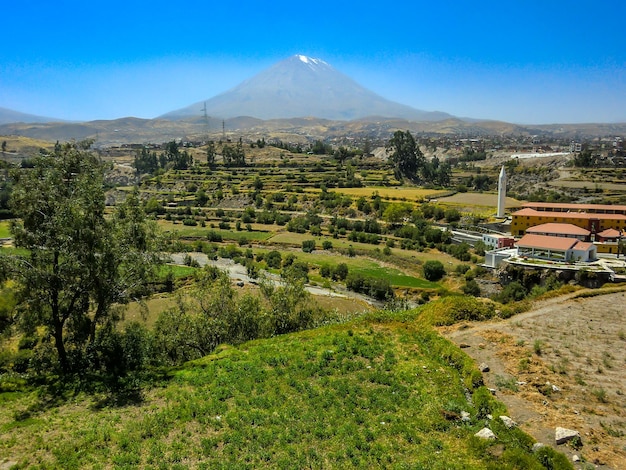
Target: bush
{"x":340,"y":272}
{"x":471,"y":287}
{"x":513,"y":292}
{"x":433,"y":270}
{"x":379,"y":288}
{"x":327,"y":245}
{"x":273,"y":259}
{"x":308,"y":246}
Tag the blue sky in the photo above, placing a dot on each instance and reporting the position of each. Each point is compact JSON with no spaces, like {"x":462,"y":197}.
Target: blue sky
{"x":521,"y":61}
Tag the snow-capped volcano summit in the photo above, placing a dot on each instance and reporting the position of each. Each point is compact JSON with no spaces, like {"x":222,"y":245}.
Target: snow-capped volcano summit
{"x":301,"y":86}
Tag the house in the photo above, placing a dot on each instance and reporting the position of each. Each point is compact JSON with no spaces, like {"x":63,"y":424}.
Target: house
{"x":608,"y":241}
{"x":550,"y":248}
{"x":495,"y":241}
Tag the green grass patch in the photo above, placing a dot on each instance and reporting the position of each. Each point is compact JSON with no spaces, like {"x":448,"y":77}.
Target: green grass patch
{"x":381,"y":392}
{"x":201,"y":232}
{"x":177,"y":271}
{"x":456,"y":308}
{"x":5,"y":232}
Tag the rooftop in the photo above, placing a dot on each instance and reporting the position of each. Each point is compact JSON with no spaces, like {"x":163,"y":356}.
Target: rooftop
{"x":556,"y":228}
{"x":576,"y":207}
{"x":609,"y":233}
{"x":546,"y":242}
{"x":569,"y":215}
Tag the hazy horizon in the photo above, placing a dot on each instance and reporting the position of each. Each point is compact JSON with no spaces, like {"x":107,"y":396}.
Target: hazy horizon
{"x":529,"y":62}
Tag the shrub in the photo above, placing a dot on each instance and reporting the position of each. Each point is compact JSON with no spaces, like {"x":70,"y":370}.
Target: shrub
{"x":308,"y":246}
{"x":433,"y":270}
{"x":512,"y":292}
{"x":340,"y":272}
{"x":273,"y":259}
{"x":471,"y":287}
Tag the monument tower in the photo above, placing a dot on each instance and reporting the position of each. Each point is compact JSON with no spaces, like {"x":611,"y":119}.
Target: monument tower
{"x":501,"y":192}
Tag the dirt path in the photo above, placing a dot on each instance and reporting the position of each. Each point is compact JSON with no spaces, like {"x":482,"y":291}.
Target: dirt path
{"x":561,"y":364}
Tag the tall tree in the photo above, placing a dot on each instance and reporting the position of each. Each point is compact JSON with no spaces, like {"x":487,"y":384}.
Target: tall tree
{"x":79,"y":262}
{"x":405,"y":155}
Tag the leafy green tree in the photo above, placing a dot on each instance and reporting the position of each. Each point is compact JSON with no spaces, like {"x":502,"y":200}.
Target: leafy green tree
{"x":146,"y":161}
{"x":79,"y":263}
{"x":407,"y":158}
{"x":210,"y":153}
{"x":395,"y":213}
{"x":288,"y":302}
{"x":433,"y":270}
{"x":308,"y":246}
{"x":584,"y":159}
{"x":273,"y":259}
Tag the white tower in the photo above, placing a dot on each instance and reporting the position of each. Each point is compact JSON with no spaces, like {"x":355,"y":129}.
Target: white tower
{"x":501,"y":192}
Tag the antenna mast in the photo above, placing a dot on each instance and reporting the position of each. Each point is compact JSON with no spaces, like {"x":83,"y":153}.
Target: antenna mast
{"x":206,"y":121}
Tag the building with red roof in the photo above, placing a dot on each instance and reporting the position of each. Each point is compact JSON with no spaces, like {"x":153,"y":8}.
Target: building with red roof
{"x":551,"y":248}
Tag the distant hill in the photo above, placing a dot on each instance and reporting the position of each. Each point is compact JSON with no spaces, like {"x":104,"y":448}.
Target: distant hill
{"x":135,"y":130}
{"x":301,"y":86}
{"x":8,"y":116}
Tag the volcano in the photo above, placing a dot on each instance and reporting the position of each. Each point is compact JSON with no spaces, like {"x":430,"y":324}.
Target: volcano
{"x":301,"y":86}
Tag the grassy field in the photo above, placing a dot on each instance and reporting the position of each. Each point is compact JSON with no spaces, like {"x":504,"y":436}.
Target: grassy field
{"x":381,"y":392}
{"x":4,"y":229}
{"x":395,"y":193}
{"x":478,"y":199}
{"x":201,"y":232}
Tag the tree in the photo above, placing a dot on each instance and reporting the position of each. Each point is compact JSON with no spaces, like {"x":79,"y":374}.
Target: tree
{"x":406,"y":156}
{"x":4,"y":146}
{"x":210,"y":153}
{"x":433,"y":270}
{"x":79,"y":262}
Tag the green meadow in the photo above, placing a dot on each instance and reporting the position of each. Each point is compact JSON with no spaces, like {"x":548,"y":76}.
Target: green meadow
{"x":385,"y":391}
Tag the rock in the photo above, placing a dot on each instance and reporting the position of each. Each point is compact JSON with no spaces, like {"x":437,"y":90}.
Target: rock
{"x":465,"y":416}
{"x":464,"y":346}
{"x":537,"y":446}
{"x":508,"y":422}
{"x":575,"y":458}
{"x":483,"y":367}
{"x":481,"y":345}
{"x":555,"y":388}
{"x":240,"y":284}
{"x":492,"y":390}
{"x":489,"y":417}
{"x":486,"y":433}
{"x":563,"y":435}
{"x":7,"y":464}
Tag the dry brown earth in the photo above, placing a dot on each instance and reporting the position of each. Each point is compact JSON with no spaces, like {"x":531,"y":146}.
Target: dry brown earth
{"x":577,"y":345}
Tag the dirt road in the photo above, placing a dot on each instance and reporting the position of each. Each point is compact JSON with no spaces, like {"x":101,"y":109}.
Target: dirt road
{"x":561,"y":364}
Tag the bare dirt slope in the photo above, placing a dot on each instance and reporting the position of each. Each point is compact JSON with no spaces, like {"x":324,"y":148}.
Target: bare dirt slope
{"x":561,"y":364}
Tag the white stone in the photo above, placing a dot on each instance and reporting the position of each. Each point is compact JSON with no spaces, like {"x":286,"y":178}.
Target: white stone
{"x":563,"y":435}
{"x":508,"y":422}
{"x":575,"y":458}
{"x":486,"y":433}
{"x":465,"y":416}
{"x":537,"y":446}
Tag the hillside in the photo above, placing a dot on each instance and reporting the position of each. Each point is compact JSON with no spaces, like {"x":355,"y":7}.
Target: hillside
{"x":133,"y":130}
{"x":382,"y":392}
